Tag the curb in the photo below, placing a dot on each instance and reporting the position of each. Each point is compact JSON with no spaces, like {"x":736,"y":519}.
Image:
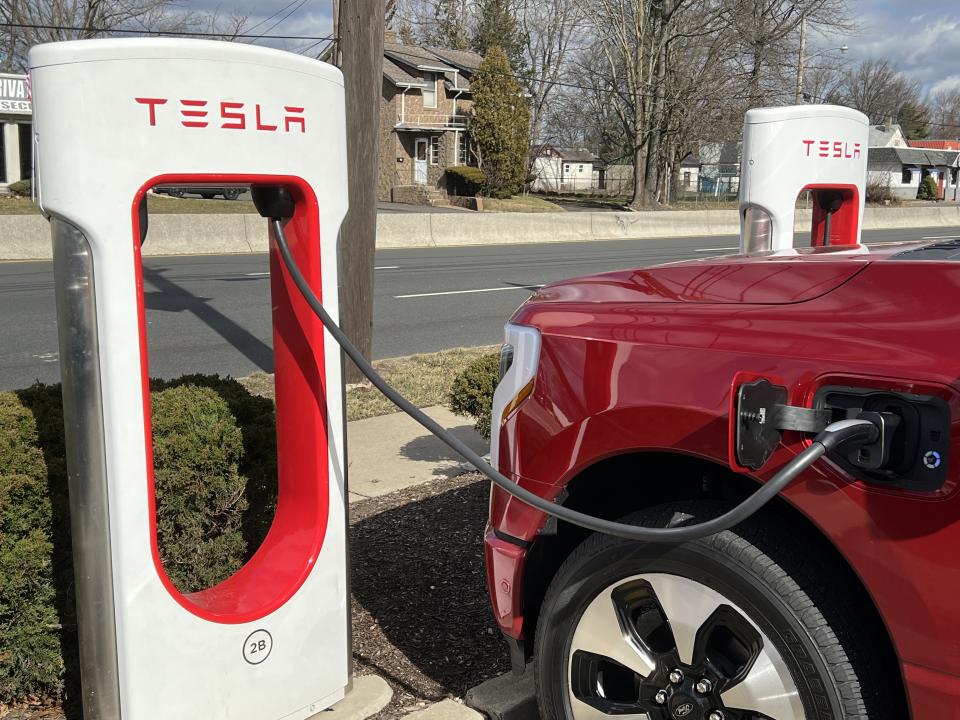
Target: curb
{"x":368,"y":696}
{"x":446,"y":710}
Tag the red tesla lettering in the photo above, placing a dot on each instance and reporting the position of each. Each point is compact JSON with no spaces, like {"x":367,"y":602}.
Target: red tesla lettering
{"x":152,"y":104}
{"x":239,"y":117}
{"x":260,"y":125}
{"x":808,"y":143}
{"x":289,"y":120}
{"x":837,"y":149}
{"x":856,"y":150}
{"x":194,"y":113}
{"x":824,"y":148}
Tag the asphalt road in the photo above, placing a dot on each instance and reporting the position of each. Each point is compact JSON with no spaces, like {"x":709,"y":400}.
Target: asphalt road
{"x":212,"y":313}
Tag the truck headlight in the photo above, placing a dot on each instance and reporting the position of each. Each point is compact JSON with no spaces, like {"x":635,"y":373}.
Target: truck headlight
{"x":519,"y":358}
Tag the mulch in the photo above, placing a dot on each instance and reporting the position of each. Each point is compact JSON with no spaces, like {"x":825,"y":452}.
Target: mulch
{"x":421,"y":616}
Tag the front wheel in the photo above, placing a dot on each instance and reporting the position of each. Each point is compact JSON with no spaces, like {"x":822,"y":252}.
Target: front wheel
{"x":717,"y":629}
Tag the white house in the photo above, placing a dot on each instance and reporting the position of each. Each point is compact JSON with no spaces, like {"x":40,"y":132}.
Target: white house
{"x":559,"y":169}
{"x":902,"y":170}
{"x":889,"y":135}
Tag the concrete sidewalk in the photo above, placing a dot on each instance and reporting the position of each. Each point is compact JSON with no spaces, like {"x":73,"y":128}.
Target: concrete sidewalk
{"x":392,"y":452}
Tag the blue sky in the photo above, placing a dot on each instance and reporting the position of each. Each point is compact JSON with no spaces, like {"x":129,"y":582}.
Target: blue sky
{"x":921,"y":37}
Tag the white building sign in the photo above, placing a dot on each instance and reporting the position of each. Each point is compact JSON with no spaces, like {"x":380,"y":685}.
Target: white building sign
{"x":15,"y":95}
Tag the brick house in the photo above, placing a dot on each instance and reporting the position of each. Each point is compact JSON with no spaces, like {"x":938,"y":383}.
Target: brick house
{"x":424,"y":108}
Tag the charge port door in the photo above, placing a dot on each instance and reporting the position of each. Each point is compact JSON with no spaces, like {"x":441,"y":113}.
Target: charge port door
{"x":915,"y":453}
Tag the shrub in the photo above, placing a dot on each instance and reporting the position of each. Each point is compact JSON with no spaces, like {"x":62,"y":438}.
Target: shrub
{"x":472,"y":391}
{"x":880,"y":193}
{"x":215,"y":473}
{"x":928,"y":189}
{"x":256,"y":418}
{"x":20,"y":187}
{"x":465,"y":180}
{"x":200,"y":493}
{"x":30,"y":659}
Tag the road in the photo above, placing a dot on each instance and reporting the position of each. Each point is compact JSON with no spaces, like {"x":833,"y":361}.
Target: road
{"x":212,"y":313}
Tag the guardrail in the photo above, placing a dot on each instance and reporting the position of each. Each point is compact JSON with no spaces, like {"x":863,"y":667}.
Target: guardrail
{"x":27,"y":237}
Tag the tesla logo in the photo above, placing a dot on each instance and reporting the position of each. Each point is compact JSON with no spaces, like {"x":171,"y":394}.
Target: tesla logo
{"x":831,"y":148}
{"x":681,"y":711}
{"x":227,"y":115}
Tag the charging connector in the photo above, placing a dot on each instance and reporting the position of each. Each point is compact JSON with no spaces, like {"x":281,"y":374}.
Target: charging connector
{"x":832,"y":437}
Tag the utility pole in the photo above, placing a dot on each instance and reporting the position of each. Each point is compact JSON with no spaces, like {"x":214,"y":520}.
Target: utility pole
{"x":798,"y":98}
{"x":360,"y":45}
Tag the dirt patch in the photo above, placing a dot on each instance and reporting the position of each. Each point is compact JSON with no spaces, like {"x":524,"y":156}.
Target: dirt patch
{"x":421,"y":617}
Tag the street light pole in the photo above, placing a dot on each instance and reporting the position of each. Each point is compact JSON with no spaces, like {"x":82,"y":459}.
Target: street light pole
{"x":800,"y":65}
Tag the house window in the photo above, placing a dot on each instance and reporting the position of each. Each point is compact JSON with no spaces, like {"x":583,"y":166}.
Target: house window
{"x":430,"y":92}
{"x":686,"y":178}
{"x":907,"y":177}
{"x":464,"y":154}
{"x":435,"y":150}
{"x":566,"y":168}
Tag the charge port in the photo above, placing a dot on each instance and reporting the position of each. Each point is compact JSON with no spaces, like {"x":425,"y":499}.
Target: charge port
{"x":912,"y":449}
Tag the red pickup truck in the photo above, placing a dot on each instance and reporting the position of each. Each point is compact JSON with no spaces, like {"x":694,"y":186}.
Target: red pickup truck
{"x":838,"y":600}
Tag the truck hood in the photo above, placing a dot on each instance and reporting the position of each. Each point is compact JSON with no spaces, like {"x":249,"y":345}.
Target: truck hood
{"x":773,"y":279}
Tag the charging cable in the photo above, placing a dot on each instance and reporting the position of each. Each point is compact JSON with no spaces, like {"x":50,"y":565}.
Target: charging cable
{"x":829,"y":439}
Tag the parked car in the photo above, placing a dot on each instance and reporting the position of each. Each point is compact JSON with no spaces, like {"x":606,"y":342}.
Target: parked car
{"x":205,"y":191}
{"x":837,"y":600}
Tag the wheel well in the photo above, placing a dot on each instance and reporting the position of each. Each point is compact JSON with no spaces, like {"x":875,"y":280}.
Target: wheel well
{"x":620,"y":485}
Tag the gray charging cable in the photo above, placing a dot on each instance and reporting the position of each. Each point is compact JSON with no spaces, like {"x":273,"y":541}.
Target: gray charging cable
{"x":830,"y":438}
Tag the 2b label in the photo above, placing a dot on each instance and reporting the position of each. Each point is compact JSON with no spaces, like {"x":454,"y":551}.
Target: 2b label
{"x":257,"y":647}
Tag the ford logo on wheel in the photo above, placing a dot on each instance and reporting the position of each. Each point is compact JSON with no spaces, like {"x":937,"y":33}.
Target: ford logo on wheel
{"x":681,"y":711}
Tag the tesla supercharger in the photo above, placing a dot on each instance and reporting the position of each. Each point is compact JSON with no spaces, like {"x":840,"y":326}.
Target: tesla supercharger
{"x":789,"y":150}
{"x":112,"y":118}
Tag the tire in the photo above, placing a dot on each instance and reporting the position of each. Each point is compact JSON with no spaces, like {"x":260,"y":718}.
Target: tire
{"x":177,"y":192}
{"x":231,"y":194}
{"x":763,"y":611}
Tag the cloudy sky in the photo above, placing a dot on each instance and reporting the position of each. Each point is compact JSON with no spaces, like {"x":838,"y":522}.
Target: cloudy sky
{"x":921,"y":37}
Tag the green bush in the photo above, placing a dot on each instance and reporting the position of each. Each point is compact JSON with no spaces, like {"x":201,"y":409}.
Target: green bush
{"x":472,"y":391}
{"x":215,"y":473}
{"x":20,"y":187}
{"x":928,"y":189}
{"x":30,"y":657}
{"x":466,"y":180}
{"x":200,"y":493}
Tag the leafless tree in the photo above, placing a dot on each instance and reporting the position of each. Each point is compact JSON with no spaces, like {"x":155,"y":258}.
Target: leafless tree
{"x":30,"y":22}
{"x":944,"y":107}
{"x":550,"y":30}
{"x":767,"y":34}
{"x":877,"y":89}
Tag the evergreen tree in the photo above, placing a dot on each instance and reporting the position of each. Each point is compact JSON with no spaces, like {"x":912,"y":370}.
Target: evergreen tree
{"x":496,"y":25}
{"x":500,"y":124}
{"x":913,"y":120}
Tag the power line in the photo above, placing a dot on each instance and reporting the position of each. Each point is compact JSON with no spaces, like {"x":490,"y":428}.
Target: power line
{"x":271,"y":17}
{"x":172,"y":33}
{"x":283,"y":19}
